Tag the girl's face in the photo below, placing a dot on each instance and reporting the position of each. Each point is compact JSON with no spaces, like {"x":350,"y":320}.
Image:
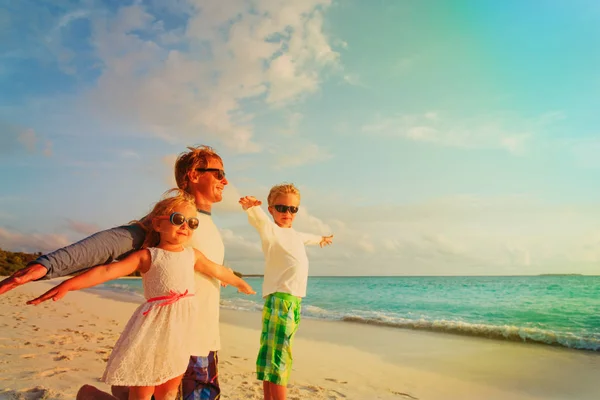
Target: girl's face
{"x":290,"y":202}
{"x":171,"y":234}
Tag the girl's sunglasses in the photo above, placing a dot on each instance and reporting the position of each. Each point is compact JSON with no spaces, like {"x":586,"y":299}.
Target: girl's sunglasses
{"x":178,"y":219}
{"x":283,"y":209}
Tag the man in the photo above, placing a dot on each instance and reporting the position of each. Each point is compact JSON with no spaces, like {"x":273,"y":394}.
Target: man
{"x":199,"y":172}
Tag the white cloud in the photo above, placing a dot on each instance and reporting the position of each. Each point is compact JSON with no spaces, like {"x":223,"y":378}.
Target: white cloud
{"x":503,"y":131}
{"x":237,"y":242}
{"x":243,"y":253}
{"x":589,"y":248}
{"x":366,"y":245}
{"x":518,"y":255}
{"x":131,"y":154}
{"x":309,"y":223}
{"x":28,"y":139}
{"x":465,"y":235}
{"x":353,"y":79}
{"x":48,"y":148}
{"x":293,"y":121}
{"x":301,"y":154}
{"x":83,"y":227}
{"x":17,"y":241}
{"x":15,"y":139}
{"x":584,"y":152}
{"x":230,"y":202}
{"x":405,"y":64}
{"x":168,"y":164}
{"x":205,"y":79}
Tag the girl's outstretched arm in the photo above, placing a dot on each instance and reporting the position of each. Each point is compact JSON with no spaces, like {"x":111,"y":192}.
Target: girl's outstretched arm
{"x":140,"y":260}
{"x":210,"y":268}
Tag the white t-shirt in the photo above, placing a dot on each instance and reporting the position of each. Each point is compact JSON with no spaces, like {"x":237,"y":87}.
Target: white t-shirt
{"x":286,"y":263}
{"x":207,"y":239}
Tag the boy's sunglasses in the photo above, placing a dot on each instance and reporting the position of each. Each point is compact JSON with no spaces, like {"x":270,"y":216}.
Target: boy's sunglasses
{"x":283,"y":209}
{"x":220,"y":174}
{"x":178,"y":219}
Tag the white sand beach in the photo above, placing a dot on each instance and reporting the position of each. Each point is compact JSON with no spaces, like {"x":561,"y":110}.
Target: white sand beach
{"x":49,"y":351}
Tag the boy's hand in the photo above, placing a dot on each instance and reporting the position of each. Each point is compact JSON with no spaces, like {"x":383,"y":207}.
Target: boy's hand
{"x":249,"y":201}
{"x":327,"y":240}
{"x":56,"y":293}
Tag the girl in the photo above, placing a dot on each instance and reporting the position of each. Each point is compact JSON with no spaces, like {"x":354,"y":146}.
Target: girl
{"x":154,"y":349}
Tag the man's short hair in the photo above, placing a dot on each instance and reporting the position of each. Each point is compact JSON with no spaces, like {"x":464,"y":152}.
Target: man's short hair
{"x":196,"y":157}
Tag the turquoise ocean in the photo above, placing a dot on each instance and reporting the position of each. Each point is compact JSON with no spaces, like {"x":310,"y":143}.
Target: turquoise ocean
{"x":552,"y":310}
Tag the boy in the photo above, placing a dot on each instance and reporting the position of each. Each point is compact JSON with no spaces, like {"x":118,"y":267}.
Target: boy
{"x":285,"y":280}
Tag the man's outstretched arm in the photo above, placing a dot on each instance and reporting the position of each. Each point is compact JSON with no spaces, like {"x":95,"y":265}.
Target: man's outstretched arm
{"x":100,"y":248}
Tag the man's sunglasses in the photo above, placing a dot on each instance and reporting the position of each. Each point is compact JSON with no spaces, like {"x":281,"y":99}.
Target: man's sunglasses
{"x":283,"y":209}
{"x":220,"y":173}
{"x":178,"y":219}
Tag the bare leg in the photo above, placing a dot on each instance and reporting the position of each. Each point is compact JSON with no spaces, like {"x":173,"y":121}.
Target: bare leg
{"x":120,"y":392}
{"x":266,"y":390}
{"x":278,"y":392}
{"x":168,"y":390}
{"x":88,"y":392}
{"x":141,"y":392}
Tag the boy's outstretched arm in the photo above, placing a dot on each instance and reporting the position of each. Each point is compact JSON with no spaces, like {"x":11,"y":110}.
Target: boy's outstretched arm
{"x":140,"y":260}
{"x":249,"y":201}
{"x":207,"y":267}
{"x":256,"y":215}
{"x":326,"y":240}
{"x":100,"y":248}
{"x":311,"y":239}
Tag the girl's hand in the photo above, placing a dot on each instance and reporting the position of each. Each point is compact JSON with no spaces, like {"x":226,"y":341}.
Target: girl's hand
{"x":246,"y":289}
{"x":223,"y":284}
{"x":249,"y":201}
{"x":56,"y":293}
{"x":327,"y":240}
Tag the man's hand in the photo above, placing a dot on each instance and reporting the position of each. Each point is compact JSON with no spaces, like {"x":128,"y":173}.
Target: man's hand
{"x":22,"y":276}
{"x":249,"y":201}
{"x":56,"y":293}
{"x":327,"y":240}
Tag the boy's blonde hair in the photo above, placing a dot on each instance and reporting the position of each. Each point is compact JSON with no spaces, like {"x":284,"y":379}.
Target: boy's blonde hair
{"x":170,"y":200}
{"x":283,"y":188}
{"x":196,"y":157}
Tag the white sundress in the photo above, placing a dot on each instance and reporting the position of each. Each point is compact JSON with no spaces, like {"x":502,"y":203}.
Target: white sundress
{"x":156,"y":344}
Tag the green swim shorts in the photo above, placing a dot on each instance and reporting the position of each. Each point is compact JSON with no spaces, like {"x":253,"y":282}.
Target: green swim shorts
{"x":280,"y":319}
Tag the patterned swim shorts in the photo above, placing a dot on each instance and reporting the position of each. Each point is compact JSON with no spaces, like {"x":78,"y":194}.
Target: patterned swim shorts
{"x":280,"y":319}
{"x":201,"y":381}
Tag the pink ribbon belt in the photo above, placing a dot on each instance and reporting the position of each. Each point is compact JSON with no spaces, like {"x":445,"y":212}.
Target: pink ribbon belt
{"x":170,"y":299}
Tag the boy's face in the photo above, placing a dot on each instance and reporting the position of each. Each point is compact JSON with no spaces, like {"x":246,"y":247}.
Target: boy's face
{"x":284,"y":219}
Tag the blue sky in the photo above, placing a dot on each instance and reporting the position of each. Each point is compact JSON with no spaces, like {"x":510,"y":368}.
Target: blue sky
{"x":431,"y":137}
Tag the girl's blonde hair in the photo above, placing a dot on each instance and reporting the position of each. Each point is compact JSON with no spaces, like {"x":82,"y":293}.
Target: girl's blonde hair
{"x":196,"y":157}
{"x":170,"y":200}
{"x":283,"y":188}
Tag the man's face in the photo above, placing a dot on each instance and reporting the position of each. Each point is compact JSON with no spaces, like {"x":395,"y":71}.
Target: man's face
{"x":208,"y":185}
